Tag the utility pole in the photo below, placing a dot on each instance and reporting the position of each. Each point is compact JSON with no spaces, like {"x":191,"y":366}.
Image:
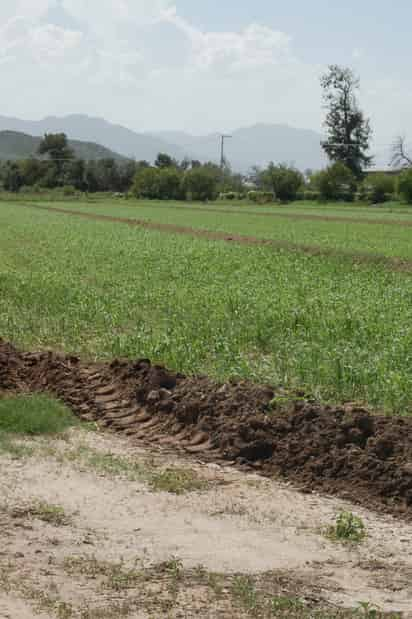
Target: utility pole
{"x":223,"y":137}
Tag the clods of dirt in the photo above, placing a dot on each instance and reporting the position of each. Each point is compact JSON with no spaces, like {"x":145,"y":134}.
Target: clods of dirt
{"x":342,"y":450}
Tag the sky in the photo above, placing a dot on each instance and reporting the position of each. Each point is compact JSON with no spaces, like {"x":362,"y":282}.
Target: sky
{"x":204,"y":65}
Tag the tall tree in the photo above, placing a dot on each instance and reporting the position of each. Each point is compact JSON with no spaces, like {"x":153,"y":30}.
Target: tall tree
{"x":164,"y":160}
{"x":348,"y":131}
{"x":56,"y":146}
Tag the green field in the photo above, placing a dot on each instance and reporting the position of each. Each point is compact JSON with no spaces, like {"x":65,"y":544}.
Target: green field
{"x":337,"y":330}
{"x":385,"y":239}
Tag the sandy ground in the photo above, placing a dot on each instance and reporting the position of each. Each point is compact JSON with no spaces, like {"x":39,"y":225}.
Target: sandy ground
{"x":117,"y":547}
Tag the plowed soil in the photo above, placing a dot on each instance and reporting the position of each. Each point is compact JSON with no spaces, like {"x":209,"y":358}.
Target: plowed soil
{"x":342,"y":450}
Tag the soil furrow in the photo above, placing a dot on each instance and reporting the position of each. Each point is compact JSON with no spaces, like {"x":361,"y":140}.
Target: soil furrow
{"x":342,"y":450}
{"x":288,"y":215}
{"x":392,"y":263}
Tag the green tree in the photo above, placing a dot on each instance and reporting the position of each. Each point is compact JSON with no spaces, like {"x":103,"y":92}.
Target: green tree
{"x":108,"y":175}
{"x":127,"y":171}
{"x":32,"y":171}
{"x":348,"y":131}
{"x":165,"y":161}
{"x":146,"y":183}
{"x":377,"y":188}
{"x":202,"y":182}
{"x":56,"y":146}
{"x":75,"y":174}
{"x":405,"y":185}
{"x":12,"y":178}
{"x":91,"y":177}
{"x":170,"y":184}
{"x":283,"y":180}
{"x":337,"y":182}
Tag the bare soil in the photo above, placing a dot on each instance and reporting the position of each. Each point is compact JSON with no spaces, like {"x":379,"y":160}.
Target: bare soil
{"x":392,"y":263}
{"x":242,"y":547}
{"x":344,"y":450}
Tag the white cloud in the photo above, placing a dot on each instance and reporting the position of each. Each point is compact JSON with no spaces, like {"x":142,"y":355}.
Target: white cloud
{"x":139,"y":62}
{"x":255,"y":46}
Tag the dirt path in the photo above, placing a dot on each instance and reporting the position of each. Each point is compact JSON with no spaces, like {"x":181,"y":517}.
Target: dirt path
{"x":392,"y":263}
{"x":80,"y":537}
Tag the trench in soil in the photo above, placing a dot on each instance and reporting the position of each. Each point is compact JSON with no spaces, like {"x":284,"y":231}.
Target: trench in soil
{"x":342,"y":450}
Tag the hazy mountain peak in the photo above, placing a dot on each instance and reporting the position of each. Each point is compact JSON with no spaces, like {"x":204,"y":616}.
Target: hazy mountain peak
{"x":255,"y":145}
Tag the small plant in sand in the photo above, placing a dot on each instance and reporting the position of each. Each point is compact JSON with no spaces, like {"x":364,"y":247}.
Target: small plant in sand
{"x":177,"y":481}
{"x":52,"y":514}
{"x":347,"y":529}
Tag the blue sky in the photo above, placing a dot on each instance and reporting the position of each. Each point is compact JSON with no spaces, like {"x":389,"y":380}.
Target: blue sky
{"x":204,"y":66}
{"x":322,"y":30}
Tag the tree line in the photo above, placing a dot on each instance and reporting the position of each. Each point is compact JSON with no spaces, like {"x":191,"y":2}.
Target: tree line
{"x":347,"y":145}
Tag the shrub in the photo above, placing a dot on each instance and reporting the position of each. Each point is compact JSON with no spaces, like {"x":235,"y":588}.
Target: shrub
{"x":201,"y":183}
{"x":311,"y":194}
{"x":377,"y":188}
{"x":158,"y":183}
{"x":284,"y":180}
{"x":146,"y":183}
{"x":229,"y":195}
{"x":260,"y":197}
{"x":337,"y":182}
{"x":405,"y":186}
{"x":68,"y":191}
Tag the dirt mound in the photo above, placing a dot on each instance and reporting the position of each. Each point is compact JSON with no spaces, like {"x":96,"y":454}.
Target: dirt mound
{"x":339,"y":450}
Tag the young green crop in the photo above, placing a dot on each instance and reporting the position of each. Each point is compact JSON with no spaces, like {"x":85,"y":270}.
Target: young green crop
{"x":381,"y":238}
{"x":101,"y":289}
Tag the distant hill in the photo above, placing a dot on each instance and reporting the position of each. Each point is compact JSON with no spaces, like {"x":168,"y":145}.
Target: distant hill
{"x":15,"y":145}
{"x":79,"y":127}
{"x":250,"y":146}
{"x":257,"y":145}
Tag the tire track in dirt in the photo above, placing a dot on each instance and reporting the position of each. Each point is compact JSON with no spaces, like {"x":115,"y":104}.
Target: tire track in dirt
{"x":391,"y":263}
{"x":342,"y":450}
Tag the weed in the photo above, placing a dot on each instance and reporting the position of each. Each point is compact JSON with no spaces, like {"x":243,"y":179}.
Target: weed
{"x":173,"y":567}
{"x":347,"y":529}
{"x":14,"y":448}
{"x":116,"y":575}
{"x":52,"y":514}
{"x":177,"y":481}
{"x":281,"y":603}
{"x":110,"y":464}
{"x":244,"y":590}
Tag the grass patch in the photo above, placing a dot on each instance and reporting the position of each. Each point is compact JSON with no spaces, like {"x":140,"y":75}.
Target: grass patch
{"x":14,"y":448}
{"x":347,"y":529}
{"x":173,"y":480}
{"x":46,"y":512}
{"x":115,"y":576}
{"x":177,"y":481}
{"x":108,"y":463}
{"x":34,"y":415}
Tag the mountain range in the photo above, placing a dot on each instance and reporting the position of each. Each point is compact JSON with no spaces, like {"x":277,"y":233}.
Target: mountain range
{"x":256,"y":145}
